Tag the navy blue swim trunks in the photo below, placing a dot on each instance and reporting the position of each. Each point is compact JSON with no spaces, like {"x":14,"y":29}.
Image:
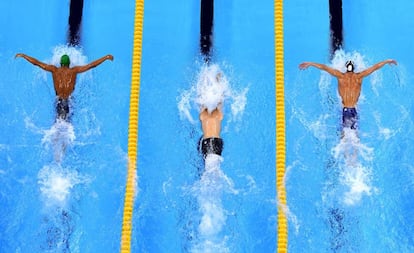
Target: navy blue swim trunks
{"x":349,"y":118}
{"x":212,"y":145}
{"x":62,"y":108}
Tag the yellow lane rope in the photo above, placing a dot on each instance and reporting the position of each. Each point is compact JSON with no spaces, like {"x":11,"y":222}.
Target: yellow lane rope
{"x":282,"y":233}
{"x":133,"y":129}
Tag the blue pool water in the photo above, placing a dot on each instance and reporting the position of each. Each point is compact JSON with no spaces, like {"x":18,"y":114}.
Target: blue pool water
{"x":337,"y":202}
{"x":62,"y":184}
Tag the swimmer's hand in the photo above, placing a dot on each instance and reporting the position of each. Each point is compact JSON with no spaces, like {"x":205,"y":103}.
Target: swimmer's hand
{"x":109,"y":57}
{"x":304,"y":65}
{"x":19,"y":55}
{"x":391,"y":61}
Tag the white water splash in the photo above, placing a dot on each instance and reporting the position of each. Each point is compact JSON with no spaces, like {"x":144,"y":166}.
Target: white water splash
{"x":341,"y":57}
{"x":209,"y":190}
{"x":184,"y":105}
{"x":384,"y":132}
{"x":211,"y":89}
{"x":59,"y":137}
{"x":75,"y":54}
{"x":352,"y":155}
{"x":56,"y":184}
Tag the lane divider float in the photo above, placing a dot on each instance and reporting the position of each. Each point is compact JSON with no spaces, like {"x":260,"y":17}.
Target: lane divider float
{"x":282,"y":225}
{"x":133,"y":129}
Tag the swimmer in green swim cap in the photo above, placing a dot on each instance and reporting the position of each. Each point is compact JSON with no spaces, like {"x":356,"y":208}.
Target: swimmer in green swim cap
{"x":64,"y":60}
{"x":64,"y":78}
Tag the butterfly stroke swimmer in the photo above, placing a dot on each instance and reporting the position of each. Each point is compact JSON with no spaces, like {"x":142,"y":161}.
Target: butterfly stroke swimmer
{"x":349,"y":86}
{"x":64,"y":78}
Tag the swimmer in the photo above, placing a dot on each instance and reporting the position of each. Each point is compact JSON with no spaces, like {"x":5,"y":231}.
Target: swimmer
{"x":64,"y":78}
{"x":349,"y":87}
{"x":210,"y":142}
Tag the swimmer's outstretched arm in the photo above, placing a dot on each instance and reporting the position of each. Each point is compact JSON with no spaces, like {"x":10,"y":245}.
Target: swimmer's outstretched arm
{"x":375,"y":67}
{"x":320,"y":66}
{"x":36,"y":62}
{"x":80,"y":69}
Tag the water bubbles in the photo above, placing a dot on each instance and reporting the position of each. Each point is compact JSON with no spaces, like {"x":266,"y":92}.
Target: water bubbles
{"x":184,"y":105}
{"x":59,"y":136}
{"x":75,"y":54}
{"x":341,"y":57}
{"x":355,"y":175}
{"x":56,"y":184}
{"x":210,"y":90}
{"x":208,"y":191}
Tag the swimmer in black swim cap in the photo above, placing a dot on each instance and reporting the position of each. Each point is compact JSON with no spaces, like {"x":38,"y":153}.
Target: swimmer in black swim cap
{"x":349,"y":66}
{"x":349,"y":85}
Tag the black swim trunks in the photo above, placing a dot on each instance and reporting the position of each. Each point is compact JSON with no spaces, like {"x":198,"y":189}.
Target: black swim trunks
{"x":349,"y":118}
{"x":213,"y":145}
{"x":62,"y":108}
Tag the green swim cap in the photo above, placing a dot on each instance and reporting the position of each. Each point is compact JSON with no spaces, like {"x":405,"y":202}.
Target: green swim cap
{"x":64,"y":60}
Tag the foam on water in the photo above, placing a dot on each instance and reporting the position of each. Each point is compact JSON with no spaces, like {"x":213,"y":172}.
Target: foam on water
{"x":209,"y":190}
{"x":341,"y":57}
{"x":384,"y":132}
{"x":75,"y":54}
{"x":59,"y":137}
{"x":209,"y":90}
{"x":212,"y":87}
{"x":352,"y":157}
{"x":184,"y":105}
{"x":57,"y":183}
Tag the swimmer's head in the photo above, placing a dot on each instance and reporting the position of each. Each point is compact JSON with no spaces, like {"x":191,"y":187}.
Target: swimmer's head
{"x":64,"y":60}
{"x":349,"y":66}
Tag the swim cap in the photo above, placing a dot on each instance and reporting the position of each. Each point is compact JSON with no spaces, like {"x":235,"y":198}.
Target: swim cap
{"x":349,"y":66}
{"x":64,"y":60}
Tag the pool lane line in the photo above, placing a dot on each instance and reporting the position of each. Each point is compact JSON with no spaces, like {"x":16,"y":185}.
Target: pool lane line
{"x":75,"y":22}
{"x":336,"y":25}
{"x":282,"y":226}
{"x":206,"y":28}
{"x":133,"y":129}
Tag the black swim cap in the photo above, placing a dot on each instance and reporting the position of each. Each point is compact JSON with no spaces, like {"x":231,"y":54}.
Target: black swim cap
{"x":349,"y":66}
